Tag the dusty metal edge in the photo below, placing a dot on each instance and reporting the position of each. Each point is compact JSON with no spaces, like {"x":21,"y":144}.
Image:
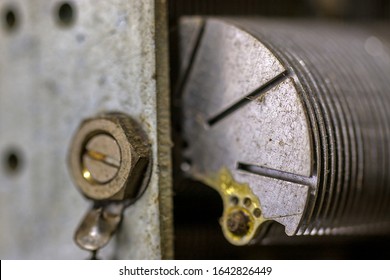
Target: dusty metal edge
{"x":164,"y":142}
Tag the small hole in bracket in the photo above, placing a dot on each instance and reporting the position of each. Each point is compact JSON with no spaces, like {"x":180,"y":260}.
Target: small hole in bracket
{"x":234,"y":200}
{"x":247,"y":202}
{"x":257,"y":212}
{"x":10,"y":19}
{"x":12,"y":162}
{"x":65,"y":14}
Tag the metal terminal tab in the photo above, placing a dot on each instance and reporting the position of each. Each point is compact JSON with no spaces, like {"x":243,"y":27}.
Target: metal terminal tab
{"x":242,"y":216}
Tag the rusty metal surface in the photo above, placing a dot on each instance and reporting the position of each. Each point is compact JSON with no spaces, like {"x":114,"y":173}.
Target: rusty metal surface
{"x":296,"y":110}
{"x":56,"y":69}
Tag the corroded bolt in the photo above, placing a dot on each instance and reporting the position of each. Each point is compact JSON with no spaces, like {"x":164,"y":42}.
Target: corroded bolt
{"x":108,"y":157}
{"x":238,"y":223}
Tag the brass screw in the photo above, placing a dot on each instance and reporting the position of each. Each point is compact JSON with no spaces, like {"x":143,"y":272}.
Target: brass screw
{"x":101,"y":159}
{"x":238,"y":223}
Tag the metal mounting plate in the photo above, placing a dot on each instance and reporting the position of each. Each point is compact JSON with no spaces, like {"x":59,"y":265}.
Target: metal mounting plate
{"x":112,"y":57}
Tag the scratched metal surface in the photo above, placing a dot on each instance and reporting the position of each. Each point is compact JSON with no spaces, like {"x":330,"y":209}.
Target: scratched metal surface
{"x":297,"y":110}
{"x":52,"y":76}
{"x":260,"y":133}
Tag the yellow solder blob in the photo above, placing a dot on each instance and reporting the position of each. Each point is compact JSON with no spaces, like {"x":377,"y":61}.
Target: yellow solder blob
{"x":242,"y":215}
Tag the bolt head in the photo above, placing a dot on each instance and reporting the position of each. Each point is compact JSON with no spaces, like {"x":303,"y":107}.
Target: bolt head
{"x":108,"y":157}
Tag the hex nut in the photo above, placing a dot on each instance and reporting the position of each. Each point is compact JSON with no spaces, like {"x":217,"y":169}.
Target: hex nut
{"x":115,"y":170}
